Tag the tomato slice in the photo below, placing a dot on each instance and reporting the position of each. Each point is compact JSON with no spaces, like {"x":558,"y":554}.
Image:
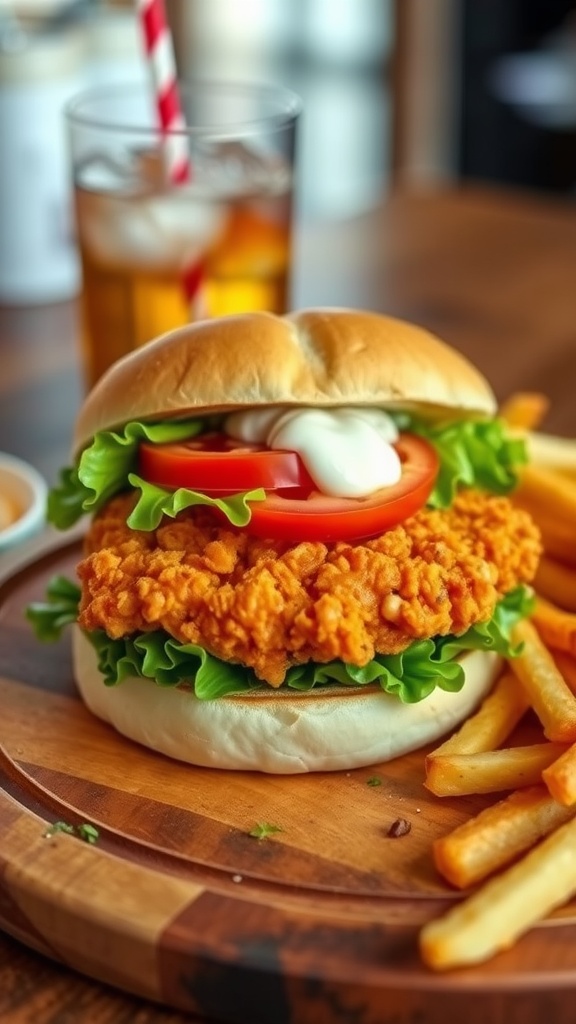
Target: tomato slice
{"x":327,"y":519}
{"x":293,"y":509}
{"x":216,"y":464}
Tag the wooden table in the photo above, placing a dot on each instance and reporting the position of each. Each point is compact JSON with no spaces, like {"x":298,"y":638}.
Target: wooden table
{"x":493,"y":273}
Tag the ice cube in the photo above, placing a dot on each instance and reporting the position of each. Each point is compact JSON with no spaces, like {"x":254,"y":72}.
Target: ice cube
{"x":233,"y":167}
{"x":108,"y":172}
{"x":162,"y":231}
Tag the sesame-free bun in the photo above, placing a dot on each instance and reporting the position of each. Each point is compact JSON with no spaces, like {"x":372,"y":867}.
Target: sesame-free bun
{"x":281,"y":732}
{"x":319,"y":357}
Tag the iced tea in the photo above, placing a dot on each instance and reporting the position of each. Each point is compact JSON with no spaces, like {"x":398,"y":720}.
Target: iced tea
{"x":156,"y":255}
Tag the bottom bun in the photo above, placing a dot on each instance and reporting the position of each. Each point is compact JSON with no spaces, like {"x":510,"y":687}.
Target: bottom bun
{"x":282,"y":732}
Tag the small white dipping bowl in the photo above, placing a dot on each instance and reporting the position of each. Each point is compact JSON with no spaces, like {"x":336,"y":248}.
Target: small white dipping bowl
{"x":23,"y":487}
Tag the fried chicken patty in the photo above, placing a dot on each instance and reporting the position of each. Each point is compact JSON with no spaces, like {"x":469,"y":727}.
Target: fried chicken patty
{"x":272,"y":604}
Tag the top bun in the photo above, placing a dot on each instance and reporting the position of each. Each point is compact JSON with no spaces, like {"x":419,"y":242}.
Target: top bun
{"x":320,"y":357}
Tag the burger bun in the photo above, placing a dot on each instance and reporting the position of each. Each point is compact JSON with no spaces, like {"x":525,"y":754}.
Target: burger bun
{"x":279,"y":732}
{"x":317,"y":357}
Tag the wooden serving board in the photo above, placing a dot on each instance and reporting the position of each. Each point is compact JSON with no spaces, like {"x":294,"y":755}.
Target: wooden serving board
{"x":178,"y":903}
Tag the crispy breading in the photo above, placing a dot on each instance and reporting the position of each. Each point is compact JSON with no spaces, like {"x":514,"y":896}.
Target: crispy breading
{"x":270,"y":605}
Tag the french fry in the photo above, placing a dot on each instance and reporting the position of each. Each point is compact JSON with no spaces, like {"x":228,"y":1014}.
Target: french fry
{"x":506,"y":906}
{"x":547,"y":691}
{"x":492,"y":771}
{"x":499,"y":834}
{"x":556,"y":627}
{"x":556,"y":581}
{"x":524,"y":409}
{"x":492,"y":723}
{"x":549,"y":489}
{"x":566,"y":665}
{"x":558,"y":536}
{"x":560,"y":777}
{"x":537,"y":820}
{"x":557,"y":546}
{"x":557,"y":453}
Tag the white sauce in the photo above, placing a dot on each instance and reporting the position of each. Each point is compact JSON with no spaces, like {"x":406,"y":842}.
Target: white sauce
{"x":348,"y":452}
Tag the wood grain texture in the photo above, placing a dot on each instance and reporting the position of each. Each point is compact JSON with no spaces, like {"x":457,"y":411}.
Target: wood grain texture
{"x":177,"y":902}
{"x":35,"y":990}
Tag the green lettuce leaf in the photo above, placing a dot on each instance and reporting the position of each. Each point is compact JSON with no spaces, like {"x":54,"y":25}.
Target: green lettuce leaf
{"x":104,"y":467}
{"x":425,"y":664}
{"x":411,"y":675}
{"x":155,"y":502}
{"x":473,"y":453}
{"x":60,"y":609}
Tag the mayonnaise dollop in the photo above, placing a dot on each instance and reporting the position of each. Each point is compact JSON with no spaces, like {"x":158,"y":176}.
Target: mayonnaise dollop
{"x":347,"y":451}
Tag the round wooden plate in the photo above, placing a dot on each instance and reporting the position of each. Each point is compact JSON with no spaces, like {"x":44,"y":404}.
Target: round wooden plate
{"x":178,"y":902}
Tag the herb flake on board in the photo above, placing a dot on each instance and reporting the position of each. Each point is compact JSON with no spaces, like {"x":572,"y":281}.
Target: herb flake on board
{"x":88,"y":833}
{"x":263,"y":830}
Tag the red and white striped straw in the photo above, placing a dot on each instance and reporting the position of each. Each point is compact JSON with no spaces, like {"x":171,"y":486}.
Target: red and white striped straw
{"x":159,"y":50}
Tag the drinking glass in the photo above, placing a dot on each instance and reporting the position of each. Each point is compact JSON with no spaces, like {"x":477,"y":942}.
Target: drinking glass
{"x":157,"y":253}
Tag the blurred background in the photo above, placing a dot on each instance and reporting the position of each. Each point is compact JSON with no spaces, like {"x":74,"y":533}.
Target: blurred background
{"x":397,"y":93}
{"x":412,"y":91}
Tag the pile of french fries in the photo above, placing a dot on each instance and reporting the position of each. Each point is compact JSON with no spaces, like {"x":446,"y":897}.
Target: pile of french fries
{"x":518,"y":856}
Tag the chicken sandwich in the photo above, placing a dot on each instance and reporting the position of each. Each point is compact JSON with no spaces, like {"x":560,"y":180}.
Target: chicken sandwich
{"x":300,"y":553}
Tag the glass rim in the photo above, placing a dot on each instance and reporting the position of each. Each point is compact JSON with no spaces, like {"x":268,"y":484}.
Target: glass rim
{"x":77,"y":114}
